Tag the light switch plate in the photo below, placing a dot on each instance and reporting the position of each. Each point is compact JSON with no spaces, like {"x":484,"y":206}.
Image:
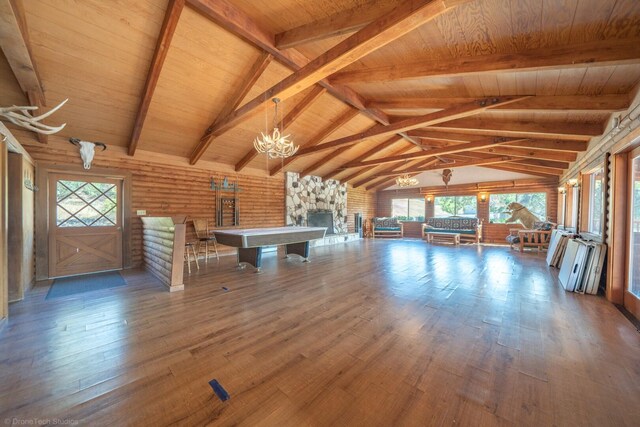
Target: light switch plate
{"x":141,"y":212}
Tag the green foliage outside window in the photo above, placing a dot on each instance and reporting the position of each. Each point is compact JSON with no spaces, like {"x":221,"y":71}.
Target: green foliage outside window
{"x":535,"y":202}
{"x":445,"y":206}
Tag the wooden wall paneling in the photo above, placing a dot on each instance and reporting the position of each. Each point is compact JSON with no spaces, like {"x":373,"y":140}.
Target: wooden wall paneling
{"x":172,"y":190}
{"x":163,"y":248}
{"x":360,"y":201}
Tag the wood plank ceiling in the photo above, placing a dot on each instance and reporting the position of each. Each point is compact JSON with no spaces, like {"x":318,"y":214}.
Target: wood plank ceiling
{"x":369,"y":88}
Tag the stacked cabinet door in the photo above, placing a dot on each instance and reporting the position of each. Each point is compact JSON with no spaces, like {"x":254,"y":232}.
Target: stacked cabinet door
{"x":85,"y":224}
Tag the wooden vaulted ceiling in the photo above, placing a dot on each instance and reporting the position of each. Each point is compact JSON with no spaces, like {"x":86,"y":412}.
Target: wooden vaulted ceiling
{"x":370,"y":88}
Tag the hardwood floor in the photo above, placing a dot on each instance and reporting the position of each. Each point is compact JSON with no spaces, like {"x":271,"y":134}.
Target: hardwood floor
{"x":379,"y":332}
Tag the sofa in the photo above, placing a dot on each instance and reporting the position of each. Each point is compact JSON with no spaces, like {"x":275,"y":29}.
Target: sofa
{"x":538,"y":237}
{"x":470,"y":229}
{"x":387,"y":227}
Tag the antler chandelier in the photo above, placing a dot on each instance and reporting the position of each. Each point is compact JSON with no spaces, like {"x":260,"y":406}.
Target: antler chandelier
{"x":274,"y":144}
{"x":406,"y":181}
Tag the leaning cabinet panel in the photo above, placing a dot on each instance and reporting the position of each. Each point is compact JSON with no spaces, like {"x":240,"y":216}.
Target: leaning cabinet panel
{"x":163,"y":249}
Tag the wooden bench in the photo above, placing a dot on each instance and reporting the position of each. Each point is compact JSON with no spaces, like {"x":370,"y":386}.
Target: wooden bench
{"x":387,"y":227}
{"x":443,"y":236}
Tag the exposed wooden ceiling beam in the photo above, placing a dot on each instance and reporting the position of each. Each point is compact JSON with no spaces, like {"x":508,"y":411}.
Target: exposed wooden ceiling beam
{"x":400,"y":21}
{"x":555,"y":164}
{"x":16,"y":46}
{"x":372,"y":151}
{"x":343,"y":22}
{"x":520,"y":129}
{"x":323,"y":161}
{"x":470,"y":146}
{"x":535,"y":103}
{"x":602,"y":52}
{"x":368,"y":169}
{"x":530,"y":170}
{"x":440,"y":165}
{"x":443,"y":139}
{"x":460,"y":111}
{"x":561,"y":156}
{"x":318,"y":138}
{"x":171,"y":18}
{"x":228,"y":16}
{"x":241,"y":91}
{"x":384,"y":182}
{"x":302,"y":106}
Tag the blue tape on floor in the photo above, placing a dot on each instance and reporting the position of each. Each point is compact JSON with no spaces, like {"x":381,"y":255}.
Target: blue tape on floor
{"x":225,"y":289}
{"x":219,"y":390}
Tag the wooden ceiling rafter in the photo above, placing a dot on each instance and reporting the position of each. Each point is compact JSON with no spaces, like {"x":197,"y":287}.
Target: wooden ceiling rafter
{"x":571,"y":103}
{"x":520,"y":129}
{"x":384,"y":182}
{"x":249,"y":79}
{"x":431,"y":119}
{"x":481,"y":144}
{"x":363,"y":171}
{"x":16,"y":46}
{"x":372,"y":151}
{"x":171,"y":18}
{"x":602,"y":52}
{"x":441,"y":165}
{"x":343,"y":22}
{"x":530,"y":170}
{"x":229,"y":17}
{"x":342,"y":120}
{"x":302,"y":106}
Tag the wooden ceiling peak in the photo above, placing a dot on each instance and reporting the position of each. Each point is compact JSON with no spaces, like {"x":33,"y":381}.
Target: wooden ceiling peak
{"x":343,"y":22}
{"x":404,"y":18}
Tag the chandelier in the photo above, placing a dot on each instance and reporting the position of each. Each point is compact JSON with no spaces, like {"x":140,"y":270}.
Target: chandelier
{"x":274,"y":144}
{"x":406,"y":181}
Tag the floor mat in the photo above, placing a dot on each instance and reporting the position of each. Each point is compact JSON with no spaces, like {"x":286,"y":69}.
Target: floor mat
{"x":66,"y":286}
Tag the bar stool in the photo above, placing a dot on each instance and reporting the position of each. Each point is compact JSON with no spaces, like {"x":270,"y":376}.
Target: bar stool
{"x":201,"y":225}
{"x":190,"y":247}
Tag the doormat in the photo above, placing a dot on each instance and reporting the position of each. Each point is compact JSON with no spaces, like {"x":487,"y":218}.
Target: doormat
{"x":66,"y":286}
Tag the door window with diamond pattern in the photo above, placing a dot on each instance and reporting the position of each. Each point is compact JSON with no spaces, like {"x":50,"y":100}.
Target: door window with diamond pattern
{"x":86,"y":204}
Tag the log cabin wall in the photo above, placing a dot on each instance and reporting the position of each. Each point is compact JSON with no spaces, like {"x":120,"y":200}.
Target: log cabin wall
{"x":170,"y":190}
{"x":359,"y":201}
{"x":492,"y":233}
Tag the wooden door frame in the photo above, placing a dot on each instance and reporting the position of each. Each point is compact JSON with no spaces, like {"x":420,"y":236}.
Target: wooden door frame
{"x":43,"y":173}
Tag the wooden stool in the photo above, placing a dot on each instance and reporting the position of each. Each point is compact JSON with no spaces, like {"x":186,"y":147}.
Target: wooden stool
{"x":190,"y":246}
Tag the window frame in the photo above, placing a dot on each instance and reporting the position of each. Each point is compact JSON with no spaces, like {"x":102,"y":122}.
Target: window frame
{"x":590,"y":205}
{"x":456,"y":197}
{"x":408,"y":209}
{"x":517,"y":194}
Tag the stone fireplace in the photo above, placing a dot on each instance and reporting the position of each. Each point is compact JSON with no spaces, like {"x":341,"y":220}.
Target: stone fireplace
{"x":320,"y":218}
{"x":310,"y":194}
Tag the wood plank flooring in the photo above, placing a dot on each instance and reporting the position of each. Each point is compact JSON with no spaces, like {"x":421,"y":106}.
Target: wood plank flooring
{"x":378,"y":332}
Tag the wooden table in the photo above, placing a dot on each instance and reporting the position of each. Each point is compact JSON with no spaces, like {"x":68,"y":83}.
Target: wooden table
{"x":250,"y":241}
{"x":441,"y":235}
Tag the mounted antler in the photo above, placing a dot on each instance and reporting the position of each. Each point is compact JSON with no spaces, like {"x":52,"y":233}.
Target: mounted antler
{"x":87,"y":150}
{"x":21,"y":116}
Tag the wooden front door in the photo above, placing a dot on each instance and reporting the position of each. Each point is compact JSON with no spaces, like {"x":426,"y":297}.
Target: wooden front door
{"x":85,"y":224}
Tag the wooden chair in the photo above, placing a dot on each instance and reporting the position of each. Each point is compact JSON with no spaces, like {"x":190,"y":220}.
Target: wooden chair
{"x":529,"y":238}
{"x":189,"y":248}
{"x":205,"y":237}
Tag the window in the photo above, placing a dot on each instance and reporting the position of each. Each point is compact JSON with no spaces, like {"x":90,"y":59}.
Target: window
{"x":596,"y":200}
{"x":535,"y":202}
{"x":85,"y":204}
{"x":408,"y":209}
{"x":455,"y":206}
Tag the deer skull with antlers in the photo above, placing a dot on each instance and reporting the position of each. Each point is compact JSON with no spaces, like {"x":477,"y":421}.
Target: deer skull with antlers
{"x":87,"y":150}
{"x":21,"y":116}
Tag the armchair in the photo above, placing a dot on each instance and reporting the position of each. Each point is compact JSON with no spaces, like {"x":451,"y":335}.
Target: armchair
{"x":538,"y":237}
